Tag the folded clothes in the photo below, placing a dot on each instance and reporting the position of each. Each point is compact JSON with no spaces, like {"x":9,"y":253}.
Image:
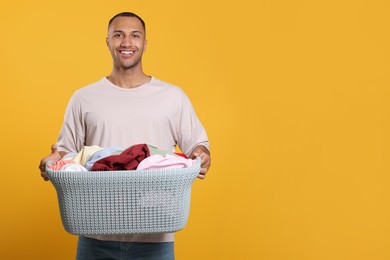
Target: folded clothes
{"x":158,"y":161}
{"x":127,"y":160}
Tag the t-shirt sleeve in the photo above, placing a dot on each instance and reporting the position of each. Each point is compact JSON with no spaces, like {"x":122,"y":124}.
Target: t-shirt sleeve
{"x":72,"y":134}
{"x":190,"y":130}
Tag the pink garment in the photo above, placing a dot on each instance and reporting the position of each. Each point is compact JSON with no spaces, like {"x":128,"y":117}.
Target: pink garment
{"x":169,"y":161}
{"x":127,"y":160}
{"x":59,"y":164}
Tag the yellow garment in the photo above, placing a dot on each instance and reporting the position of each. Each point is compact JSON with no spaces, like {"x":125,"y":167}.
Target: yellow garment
{"x":85,"y":154}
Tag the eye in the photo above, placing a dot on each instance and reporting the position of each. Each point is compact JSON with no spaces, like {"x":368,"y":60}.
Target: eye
{"x":136,"y":36}
{"x":117,"y":35}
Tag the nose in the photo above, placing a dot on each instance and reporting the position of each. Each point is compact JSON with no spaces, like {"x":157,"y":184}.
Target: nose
{"x":126,"y":42}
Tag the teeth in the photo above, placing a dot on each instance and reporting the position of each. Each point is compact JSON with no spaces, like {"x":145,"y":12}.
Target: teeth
{"x":127,"y":52}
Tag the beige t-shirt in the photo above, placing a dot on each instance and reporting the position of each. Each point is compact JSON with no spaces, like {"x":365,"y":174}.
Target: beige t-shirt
{"x":156,"y":113}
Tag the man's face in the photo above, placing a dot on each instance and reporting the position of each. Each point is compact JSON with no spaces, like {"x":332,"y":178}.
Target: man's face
{"x":126,"y":41}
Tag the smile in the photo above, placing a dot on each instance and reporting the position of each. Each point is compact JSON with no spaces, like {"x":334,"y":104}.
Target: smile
{"x":126,"y":52}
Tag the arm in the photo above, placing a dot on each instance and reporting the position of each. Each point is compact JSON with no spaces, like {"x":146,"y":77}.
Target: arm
{"x":204,"y":154}
{"x":69,"y":139}
{"x":191,"y":133}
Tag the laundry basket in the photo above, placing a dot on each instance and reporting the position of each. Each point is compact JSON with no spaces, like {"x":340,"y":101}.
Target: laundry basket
{"x":124,"y":202}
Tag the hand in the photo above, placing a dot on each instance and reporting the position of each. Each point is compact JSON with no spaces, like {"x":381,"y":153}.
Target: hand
{"x":204,"y":155}
{"x":55,"y":156}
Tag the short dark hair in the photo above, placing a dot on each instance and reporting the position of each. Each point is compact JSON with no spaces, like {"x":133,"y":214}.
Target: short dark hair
{"x":127,"y":14}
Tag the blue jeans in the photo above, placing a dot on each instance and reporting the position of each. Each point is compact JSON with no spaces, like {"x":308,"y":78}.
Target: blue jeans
{"x":93,"y":249}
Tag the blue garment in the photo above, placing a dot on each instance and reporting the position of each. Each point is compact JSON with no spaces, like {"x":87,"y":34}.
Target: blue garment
{"x":93,"y":249}
{"x":105,"y":152}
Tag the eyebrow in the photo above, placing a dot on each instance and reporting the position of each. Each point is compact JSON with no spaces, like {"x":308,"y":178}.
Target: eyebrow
{"x":121,"y":31}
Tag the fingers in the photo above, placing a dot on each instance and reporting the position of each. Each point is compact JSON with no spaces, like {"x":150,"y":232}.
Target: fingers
{"x":42,"y":168}
{"x":43,"y":175}
{"x":53,"y":148}
{"x":201,"y":176}
{"x":54,"y":155}
{"x":205,"y":164}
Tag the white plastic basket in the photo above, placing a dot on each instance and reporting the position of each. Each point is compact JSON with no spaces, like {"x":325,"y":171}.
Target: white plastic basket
{"x":124,"y":202}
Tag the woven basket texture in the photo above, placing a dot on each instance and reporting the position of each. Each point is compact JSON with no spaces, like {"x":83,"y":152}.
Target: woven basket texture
{"x":124,"y":202}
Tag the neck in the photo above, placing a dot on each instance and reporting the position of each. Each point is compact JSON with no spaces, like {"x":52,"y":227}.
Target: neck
{"x":128,"y":79}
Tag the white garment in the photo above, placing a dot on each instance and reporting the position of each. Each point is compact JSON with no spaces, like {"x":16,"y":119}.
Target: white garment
{"x":155,"y":113}
{"x":73,"y":167}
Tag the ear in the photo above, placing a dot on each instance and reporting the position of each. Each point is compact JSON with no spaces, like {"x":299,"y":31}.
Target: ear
{"x":107,"y":42}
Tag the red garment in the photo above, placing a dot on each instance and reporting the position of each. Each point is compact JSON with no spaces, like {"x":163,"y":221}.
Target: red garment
{"x":127,"y":160}
{"x":182,"y":155}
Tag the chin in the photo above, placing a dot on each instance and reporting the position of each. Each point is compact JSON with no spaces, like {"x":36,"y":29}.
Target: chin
{"x":129,"y":66}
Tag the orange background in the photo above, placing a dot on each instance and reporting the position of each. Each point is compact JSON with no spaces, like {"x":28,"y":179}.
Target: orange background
{"x":294,"y":96}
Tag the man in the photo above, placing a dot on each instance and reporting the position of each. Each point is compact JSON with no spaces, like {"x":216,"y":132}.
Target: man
{"x":126,"y":108}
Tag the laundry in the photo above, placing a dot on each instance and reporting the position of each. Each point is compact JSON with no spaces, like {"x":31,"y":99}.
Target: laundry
{"x":105,"y":152}
{"x":73,"y":167}
{"x":127,"y":160}
{"x":168,"y":161}
{"x":114,"y":158}
{"x":85,"y":154}
{"x":154,"y":150}
{"x":58,"y":165}
{"x":182,"y":155}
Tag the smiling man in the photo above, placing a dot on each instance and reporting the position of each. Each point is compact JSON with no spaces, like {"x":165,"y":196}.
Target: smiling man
{"x":126,"y":108}
{"x":127,"y":42}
